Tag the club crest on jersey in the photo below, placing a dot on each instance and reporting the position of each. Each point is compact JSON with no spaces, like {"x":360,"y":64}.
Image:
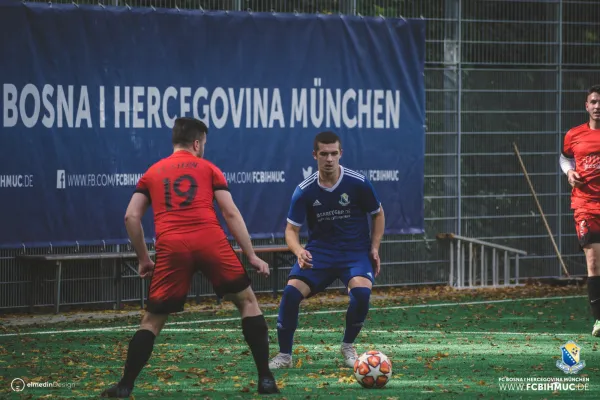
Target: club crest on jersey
{"x":344,"y":199}
{"x":571,"y":354}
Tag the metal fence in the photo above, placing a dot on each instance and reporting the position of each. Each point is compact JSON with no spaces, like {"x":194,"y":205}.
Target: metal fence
{"x":497,"y":72}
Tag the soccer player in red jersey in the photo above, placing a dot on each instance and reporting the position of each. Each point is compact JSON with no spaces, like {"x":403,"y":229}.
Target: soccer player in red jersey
{"x":181,"y":189}
{"x":580,"y":161}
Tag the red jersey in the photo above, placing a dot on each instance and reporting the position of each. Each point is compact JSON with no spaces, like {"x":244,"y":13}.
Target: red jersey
{"x":181,"y":190}
{"x":583,"y":144}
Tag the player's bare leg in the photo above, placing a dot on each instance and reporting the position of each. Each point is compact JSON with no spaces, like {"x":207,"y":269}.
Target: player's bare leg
{"x":255,"y":330}
{"x":138,"y":354}
{"x":287,"y":321}
{"x":592,"y":256}
{"x":359,"y":290}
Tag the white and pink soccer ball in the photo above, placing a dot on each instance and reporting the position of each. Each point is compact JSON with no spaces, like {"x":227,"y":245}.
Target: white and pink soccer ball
{"x":373,"y":369}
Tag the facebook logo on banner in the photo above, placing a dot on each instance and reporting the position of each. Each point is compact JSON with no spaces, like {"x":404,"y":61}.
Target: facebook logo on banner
{"x":60,"y":179}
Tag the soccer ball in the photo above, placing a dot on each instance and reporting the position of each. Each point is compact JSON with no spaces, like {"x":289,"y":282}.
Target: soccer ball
{"x":373,"y":369}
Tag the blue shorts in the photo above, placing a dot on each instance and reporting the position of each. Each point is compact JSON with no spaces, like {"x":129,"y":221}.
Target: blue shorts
{"x":329,"y":266}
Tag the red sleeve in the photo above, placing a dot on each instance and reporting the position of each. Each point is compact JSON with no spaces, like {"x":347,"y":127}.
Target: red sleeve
{"x":142,"y":187}
{"x":567,"y":150}
{"x":218,"y":182}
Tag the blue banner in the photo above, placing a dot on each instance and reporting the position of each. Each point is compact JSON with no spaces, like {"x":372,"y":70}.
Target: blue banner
{"x":89,"y":96}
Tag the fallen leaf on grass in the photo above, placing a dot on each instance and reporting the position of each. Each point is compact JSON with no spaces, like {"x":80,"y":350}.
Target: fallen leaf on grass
{"x":196,"y":371}
{"x":347,"y":379}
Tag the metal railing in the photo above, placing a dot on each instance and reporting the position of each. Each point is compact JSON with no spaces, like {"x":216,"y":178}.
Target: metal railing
{"x":492,"y":258}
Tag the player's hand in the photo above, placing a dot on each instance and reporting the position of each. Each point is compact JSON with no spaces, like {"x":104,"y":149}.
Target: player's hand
{"x":305,"y":259}
{"x":375,"y":262}
{"x":146,"y":268}
{"x":574,"y":178}
{"x":259,"y":265}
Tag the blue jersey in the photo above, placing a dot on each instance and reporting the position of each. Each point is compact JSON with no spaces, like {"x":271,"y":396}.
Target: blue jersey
{"x":337,"y":216}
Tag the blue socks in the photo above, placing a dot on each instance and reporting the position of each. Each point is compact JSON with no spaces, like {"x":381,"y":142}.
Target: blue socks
{"x":287,"y":320}
{"x":357,"y":312}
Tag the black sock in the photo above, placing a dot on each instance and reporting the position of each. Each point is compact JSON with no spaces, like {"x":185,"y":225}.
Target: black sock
{"x":593,"y":284}
{"x":138,"y":354}
{"x":256,"y":333}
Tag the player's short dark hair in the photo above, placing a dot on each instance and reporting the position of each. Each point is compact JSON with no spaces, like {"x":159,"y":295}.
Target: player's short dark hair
{"x":594,"y":89}
{"x":187,"y":130}
{"x":326,"y":137}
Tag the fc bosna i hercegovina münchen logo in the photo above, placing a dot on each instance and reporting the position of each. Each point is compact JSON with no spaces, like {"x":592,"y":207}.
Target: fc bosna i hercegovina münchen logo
{"x":571,"y":362}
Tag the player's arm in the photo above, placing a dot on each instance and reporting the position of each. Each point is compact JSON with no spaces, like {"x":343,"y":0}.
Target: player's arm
{"x":133,"y":223}
{"x":377,"y":228}
{"x":292,"y":238}
{"x":372,"y":205}
{"x":231,"y":214}
{"x":296,"y":216}
{"x":237,"y":227}
{"x":235,"y":221}
{"x":567,"y":162}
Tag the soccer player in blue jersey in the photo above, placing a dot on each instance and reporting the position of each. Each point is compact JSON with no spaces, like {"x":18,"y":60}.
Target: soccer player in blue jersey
{"x":337,"y":203}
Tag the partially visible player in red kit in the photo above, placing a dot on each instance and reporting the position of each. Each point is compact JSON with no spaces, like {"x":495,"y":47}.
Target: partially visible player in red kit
{"x":181,"y":189}
{"x":580,"y":161}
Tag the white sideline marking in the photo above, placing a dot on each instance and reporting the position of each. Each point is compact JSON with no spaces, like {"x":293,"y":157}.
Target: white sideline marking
{"x":203,"y":321}
{"x":395,"y":332}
